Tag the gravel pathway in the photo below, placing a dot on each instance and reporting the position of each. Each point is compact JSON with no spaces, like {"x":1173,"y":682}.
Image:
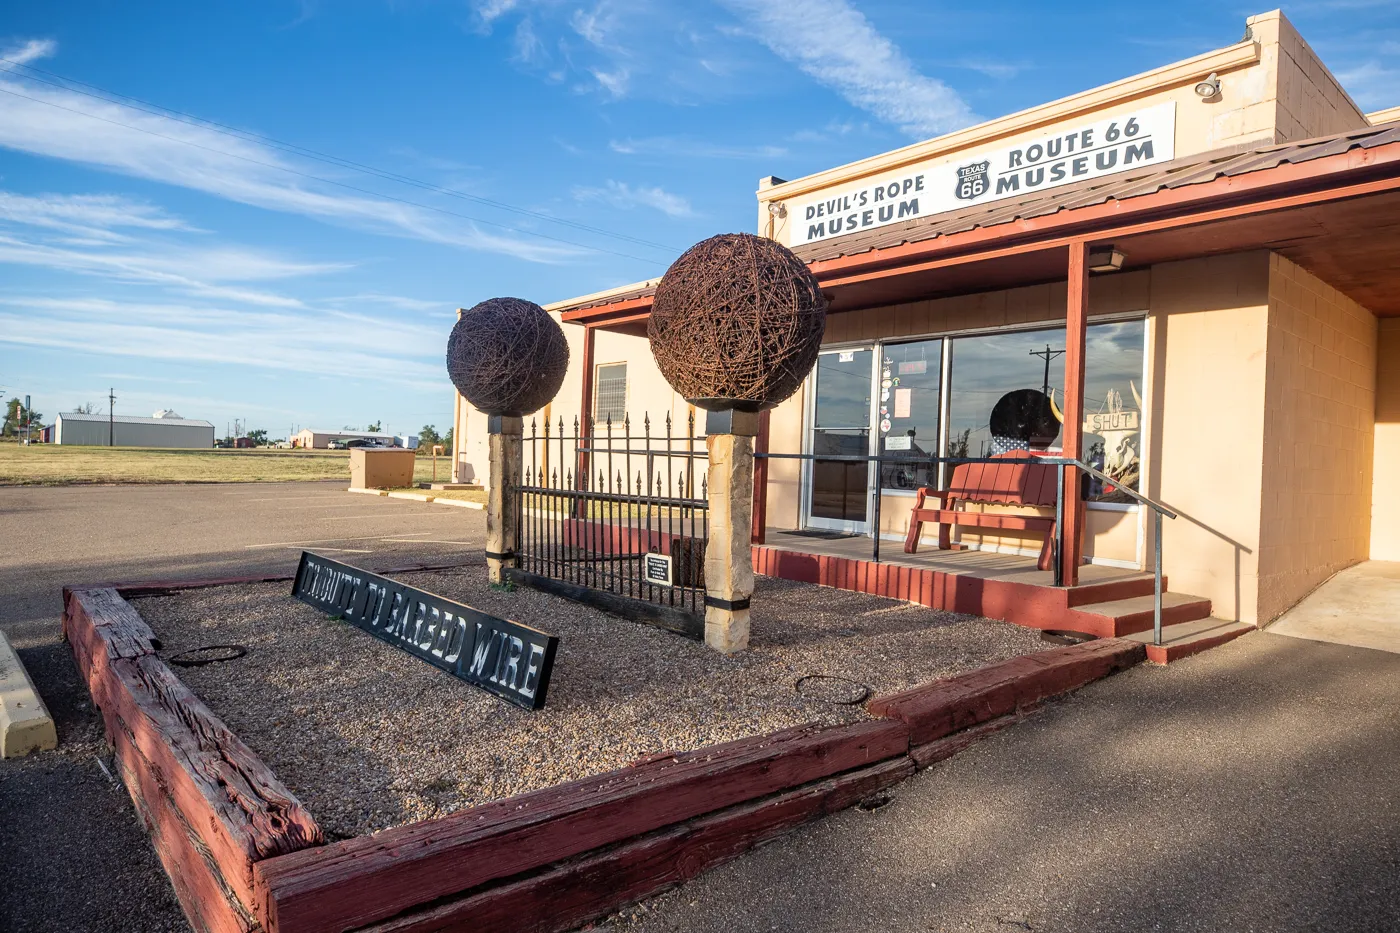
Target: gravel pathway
{"x":369,"y":737}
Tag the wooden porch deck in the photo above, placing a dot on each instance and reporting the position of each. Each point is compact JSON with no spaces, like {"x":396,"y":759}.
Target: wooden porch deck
{"x":1108,"y":601}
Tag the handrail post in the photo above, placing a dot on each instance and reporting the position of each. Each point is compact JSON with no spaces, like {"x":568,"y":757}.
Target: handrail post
{"x":1157,"y":581}
{"x":1059,"y":522}
{"x":878,"y":482}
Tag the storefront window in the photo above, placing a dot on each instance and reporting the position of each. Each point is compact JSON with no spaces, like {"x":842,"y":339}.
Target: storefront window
{"x":910,"y":378}
{"x":997,"y":394}
{"x":986,"y":370}
{"x":1113,"y":366}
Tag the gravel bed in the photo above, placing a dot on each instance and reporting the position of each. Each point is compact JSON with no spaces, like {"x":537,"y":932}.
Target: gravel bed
{"x":370,"y":737}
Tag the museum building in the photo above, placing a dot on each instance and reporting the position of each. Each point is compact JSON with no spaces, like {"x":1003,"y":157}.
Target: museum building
{"x":1198,"y":265}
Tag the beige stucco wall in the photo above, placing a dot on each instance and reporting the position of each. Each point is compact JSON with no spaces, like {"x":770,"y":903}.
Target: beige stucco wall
{"x":1210,"y":326}
{"x":1385,"y":498}
{"x":1319,"y":431}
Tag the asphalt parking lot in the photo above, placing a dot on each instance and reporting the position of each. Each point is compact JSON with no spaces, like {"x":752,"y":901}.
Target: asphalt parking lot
{"x":72,"y":857}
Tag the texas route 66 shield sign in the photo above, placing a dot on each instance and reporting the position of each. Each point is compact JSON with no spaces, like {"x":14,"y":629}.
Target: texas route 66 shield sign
{"x":973,"y":181}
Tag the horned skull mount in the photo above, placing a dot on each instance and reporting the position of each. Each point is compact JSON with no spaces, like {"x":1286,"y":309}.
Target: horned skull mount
{"x":1121,"y":456}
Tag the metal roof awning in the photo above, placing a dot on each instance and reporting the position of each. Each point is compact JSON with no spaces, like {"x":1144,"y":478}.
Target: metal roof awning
{"x":1330,"y":204}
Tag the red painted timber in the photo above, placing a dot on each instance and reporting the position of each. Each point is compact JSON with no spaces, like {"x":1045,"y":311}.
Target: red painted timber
{"x":237,"y":808}
{"x":1165,"y":654}
{"x":364,"y":880}
{"x":571,"y":894}
{"x":931,"y":753}
{"x":947,"y":706}
{"x":209,"y":903}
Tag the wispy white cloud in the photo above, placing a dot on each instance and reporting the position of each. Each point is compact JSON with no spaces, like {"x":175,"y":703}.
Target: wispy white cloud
{"x":1372,"y":84}
{"x":61,"y":124}
{"x":212,"y":271}
{"x":836,"y":45}
{"x":620,"y":194}
{"x":679,"y":146}
{"x":33,"y":50}
{"x":94,"y":216}
{"x":992,"y":68}
{"x":326,"y":342}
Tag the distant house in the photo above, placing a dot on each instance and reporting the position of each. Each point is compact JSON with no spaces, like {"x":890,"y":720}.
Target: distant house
{"x":75,"y":428}
{"x":319,"y":439}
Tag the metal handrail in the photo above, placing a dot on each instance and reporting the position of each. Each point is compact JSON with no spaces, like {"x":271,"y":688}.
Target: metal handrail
{"x":1061,"y":463}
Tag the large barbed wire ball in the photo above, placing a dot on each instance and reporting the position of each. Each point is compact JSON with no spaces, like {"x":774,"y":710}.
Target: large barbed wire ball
{"x":507,"y":356}
{"x":737,"y":322}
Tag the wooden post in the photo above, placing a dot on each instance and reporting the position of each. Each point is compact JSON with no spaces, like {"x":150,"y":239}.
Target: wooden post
{"x":1076,"y":313}
{"x":760,"y":482}
{"x":729,"y":553}
{"x":504,"y":436}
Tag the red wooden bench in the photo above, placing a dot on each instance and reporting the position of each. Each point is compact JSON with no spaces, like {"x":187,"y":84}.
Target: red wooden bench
{"x":1021,"y":480}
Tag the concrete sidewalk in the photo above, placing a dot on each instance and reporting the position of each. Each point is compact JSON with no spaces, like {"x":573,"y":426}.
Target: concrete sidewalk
{"x":1252,"y":788}
{"x":1359,"y":606}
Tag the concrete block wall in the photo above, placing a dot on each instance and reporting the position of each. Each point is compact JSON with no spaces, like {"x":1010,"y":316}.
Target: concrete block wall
{"x":1319,"y":433}
{"x":1311,"y":101}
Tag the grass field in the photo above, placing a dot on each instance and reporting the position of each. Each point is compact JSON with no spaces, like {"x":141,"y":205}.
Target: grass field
{"x":54,"y":465}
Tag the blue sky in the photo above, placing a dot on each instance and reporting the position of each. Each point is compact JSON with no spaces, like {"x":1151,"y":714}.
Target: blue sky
{"x":184,"y":224}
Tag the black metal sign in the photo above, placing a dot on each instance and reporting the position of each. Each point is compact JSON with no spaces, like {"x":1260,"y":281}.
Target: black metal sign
{"x":511,"y":660}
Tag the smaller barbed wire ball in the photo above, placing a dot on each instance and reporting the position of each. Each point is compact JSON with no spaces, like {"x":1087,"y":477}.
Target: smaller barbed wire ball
{"x":507,"y":356}
{"x":737,"y":323}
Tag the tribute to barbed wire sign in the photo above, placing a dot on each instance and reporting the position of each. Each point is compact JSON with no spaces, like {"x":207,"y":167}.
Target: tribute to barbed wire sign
{"x":507,"y":356}
{"x":502,"y":657}
{"x":737,"y":323}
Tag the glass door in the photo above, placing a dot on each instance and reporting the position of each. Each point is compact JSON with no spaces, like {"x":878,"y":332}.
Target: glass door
{"x":839,"y":490}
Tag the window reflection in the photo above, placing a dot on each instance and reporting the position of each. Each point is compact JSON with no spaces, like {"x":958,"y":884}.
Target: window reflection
{"x":987,"y":368}
{"x":910,"y":380}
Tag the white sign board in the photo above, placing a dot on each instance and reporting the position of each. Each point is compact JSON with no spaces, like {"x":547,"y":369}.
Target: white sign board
{"x":1061,"y":157}
{"x":657,"y":569}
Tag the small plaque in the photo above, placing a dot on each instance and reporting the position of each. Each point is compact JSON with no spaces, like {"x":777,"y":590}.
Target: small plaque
{"x":657,"y":569}
{"x":903,"y":442}
{"x":502,"y":657}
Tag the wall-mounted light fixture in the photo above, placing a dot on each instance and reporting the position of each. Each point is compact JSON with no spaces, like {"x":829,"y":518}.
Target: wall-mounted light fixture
{"x":1208,"y":88}
{"x":1105,"y":259}
{"x":777,"y":208}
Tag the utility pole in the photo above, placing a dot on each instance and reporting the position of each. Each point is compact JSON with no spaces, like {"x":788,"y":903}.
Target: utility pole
{"x":111,"y":413}
{"x":1048,"y":354}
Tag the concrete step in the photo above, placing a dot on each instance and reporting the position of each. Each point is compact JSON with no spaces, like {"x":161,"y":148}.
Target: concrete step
{"x":1188,"y":638}
{"x":1134,"y":614}
{"x":1140,"y":584}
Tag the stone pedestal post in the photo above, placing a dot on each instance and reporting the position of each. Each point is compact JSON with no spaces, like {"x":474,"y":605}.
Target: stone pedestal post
{"x":504,"y":438}
{"x":728,"y":553}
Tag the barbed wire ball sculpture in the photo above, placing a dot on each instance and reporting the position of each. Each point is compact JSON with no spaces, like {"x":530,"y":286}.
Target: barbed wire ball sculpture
{"x":736,"y":323}
{"x":507,"y":356}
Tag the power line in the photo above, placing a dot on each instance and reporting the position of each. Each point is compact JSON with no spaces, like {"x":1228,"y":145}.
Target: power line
{"x":194,"y":120}
{"x":328,"y":181}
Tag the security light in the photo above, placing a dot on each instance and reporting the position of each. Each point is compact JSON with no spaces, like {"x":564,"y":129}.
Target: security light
{"x":777,"y":208}
{"x":1208,"y":88}
{"x":1105,"y":259}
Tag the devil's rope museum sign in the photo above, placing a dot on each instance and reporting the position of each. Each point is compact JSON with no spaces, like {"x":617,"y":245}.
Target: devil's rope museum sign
{"x":511,"y":660}
{"x":1116,"y":144}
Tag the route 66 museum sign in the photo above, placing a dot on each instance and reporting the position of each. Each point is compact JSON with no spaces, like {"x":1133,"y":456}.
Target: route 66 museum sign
{"x":1105,"y":147}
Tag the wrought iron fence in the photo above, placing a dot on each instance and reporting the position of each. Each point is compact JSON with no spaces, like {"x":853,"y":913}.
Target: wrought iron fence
{"x":596,"y":501}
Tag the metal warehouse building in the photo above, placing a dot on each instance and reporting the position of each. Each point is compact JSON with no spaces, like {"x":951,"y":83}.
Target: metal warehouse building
{"x":126,"y":431}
